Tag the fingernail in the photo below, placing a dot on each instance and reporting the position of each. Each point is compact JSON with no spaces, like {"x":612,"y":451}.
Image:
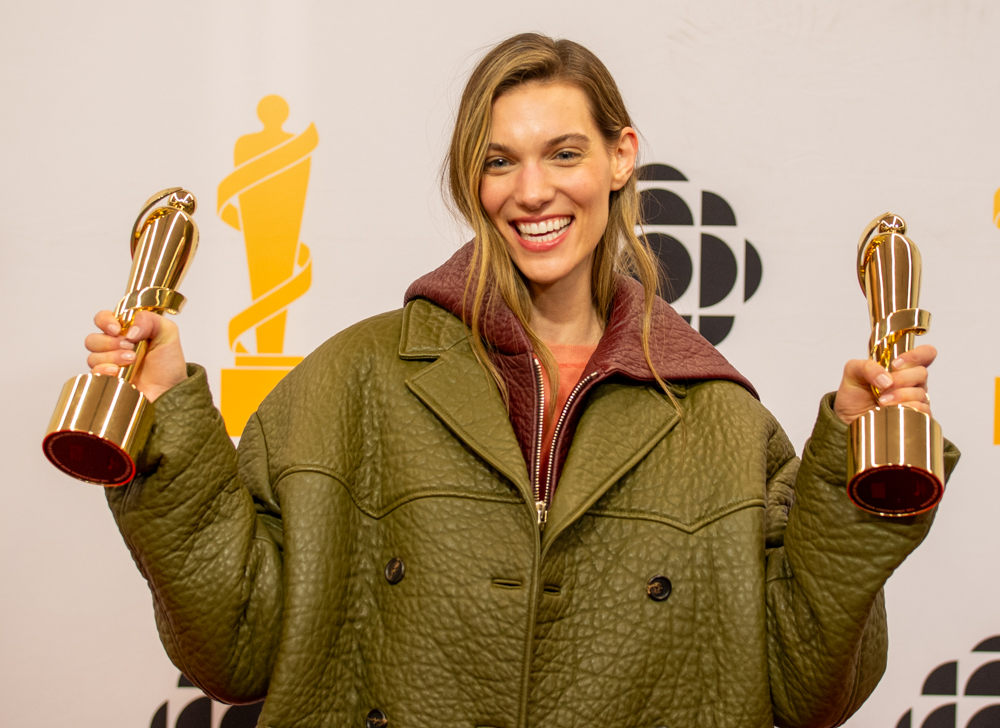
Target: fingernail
{"x":897,"y":363}
{"x":113,"y":328}
{"x":111,"y":370}
{"x":883,"y":381}
{"x":133,"y":333}
{"x":126,"y":344}
{"x":885,"y":399}
{"x":128,"y":356}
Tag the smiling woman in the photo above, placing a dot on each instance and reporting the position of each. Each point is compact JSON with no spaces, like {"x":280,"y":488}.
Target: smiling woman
{"x":547,"y":192}
{"x":560,"y":150}
{"x":534,"y":495}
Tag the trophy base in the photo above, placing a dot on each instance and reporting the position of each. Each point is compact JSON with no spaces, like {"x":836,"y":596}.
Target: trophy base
{"x":895,"y":462}
{"x":100,"y":426}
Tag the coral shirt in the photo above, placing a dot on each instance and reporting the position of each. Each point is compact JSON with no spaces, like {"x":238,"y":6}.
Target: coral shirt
{"x":571,"y":359}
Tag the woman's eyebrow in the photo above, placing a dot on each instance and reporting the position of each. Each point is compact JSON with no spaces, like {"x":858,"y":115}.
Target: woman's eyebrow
{"x":581,"y":139}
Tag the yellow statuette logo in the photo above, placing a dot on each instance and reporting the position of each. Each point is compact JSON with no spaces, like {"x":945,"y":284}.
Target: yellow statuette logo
{"x":996,"y":394}
{"x":996,"y":208}
{"x":264,"y":197}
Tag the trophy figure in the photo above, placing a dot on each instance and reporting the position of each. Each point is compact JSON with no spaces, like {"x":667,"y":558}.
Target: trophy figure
{"x":101,"y":422}
{"x":895,"y":454}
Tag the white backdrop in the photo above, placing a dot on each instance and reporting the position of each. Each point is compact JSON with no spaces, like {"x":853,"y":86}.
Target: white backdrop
{"x":808,"y":118}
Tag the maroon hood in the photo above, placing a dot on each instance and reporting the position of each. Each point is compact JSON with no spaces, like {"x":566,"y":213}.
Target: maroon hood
{"x":679,"y":352}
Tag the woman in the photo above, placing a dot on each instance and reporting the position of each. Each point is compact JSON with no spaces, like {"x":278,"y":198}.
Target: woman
{"x":413,"y":535}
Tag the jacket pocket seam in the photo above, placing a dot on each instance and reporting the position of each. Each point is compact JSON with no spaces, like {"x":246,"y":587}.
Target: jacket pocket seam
{"x":634,"y":514}
{"x":382,"y":512}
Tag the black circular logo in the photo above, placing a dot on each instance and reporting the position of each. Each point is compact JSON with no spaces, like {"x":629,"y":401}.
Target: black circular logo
{"x":667,"y":200}
{"x":982,"y":688}
{"x":196,"y":711}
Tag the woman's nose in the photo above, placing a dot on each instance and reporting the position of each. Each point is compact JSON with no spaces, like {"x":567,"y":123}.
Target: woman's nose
{"x":534,"y":188}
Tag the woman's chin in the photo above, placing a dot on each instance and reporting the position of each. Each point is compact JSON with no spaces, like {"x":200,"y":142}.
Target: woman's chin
{"x":545,"y":273}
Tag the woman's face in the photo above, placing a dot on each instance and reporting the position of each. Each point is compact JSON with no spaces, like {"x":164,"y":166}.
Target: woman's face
{"x":548,"y":178}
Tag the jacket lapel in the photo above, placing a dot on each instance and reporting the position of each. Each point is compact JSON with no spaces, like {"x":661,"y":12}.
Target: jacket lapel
{"x":462,"y":395}
{"x":457,"y":389}
{"x":619,"y":426}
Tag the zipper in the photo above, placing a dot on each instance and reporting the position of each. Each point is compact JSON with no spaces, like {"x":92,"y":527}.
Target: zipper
{"x":541,"y":507}
{"x":543,"y":495}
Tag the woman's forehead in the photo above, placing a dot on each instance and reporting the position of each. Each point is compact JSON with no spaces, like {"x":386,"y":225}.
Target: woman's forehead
{"x":535,"y":113}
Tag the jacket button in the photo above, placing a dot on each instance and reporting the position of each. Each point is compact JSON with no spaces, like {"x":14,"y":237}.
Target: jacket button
{"x":376,"y":719}
{"x":395,"y":570}
{"x":658,"y":588}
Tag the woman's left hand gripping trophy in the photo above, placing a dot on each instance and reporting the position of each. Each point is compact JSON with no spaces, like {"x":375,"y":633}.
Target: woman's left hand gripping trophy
{"x":102,"y":420}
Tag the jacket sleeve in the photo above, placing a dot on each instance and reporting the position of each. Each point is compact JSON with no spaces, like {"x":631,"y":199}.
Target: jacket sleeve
{"x":206,"y":535}
{"x":827,"y":561}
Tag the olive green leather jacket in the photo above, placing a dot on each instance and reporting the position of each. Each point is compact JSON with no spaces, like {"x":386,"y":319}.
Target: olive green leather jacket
{"x":390,"y":447}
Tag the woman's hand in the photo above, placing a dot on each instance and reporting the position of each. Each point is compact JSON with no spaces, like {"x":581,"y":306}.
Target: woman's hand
{"x":162,"y":367}
{"x":907,"y":384}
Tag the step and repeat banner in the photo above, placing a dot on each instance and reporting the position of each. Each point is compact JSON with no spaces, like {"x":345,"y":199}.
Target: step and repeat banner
{"x":312,"y":134}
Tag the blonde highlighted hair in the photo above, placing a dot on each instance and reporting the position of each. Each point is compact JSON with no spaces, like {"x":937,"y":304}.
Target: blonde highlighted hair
{"x":534,"y":58}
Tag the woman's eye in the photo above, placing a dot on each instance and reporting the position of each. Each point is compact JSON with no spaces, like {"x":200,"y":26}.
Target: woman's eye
{"x":567,"y":155}
{"x":496,"y":163}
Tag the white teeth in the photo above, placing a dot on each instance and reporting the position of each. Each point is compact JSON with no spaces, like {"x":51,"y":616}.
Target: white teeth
{"x":547,"y":237}
{"x":547,"y":229}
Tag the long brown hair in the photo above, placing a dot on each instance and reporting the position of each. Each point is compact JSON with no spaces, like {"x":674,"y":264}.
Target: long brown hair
{"x":524,"y":58}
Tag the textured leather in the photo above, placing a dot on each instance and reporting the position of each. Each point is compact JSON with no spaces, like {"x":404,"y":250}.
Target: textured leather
{"x":389,"y":441}
{"x":679,"y":353}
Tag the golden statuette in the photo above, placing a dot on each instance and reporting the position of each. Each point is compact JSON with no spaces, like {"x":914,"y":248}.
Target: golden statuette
{"x":895,"y":454}
{"x":101,"y":422}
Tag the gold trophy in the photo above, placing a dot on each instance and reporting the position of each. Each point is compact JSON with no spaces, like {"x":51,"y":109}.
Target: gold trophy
{"x":101,"y":422}
{"x":895,"y":454}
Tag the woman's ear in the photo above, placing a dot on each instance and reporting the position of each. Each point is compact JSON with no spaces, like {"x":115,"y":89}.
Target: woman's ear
{"x":623,"y":158}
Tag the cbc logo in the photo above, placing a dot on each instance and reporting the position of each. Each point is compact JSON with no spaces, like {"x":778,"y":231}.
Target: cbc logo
{"x":669,"y":225}
{"x":977,"y":706}
{"x":188,"y":707}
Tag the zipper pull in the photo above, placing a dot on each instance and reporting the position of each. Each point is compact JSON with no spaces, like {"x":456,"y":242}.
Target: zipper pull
{"x":543,"y":512}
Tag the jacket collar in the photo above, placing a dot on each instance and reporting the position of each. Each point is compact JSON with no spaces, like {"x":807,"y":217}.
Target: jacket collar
{"x":679,"y":353}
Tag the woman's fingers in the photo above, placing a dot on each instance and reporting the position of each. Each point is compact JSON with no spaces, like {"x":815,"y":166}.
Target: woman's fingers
{"x":909,"y":373}
{"x":119,"y":358}
{"x":108,"y":350}
{"x":145,"y":325}
{"x":920,"y":356}
{"x":163,"y":366}
{"x":107,"y":322}
{"x":905,"y":395}
{"x":103,"y":342}
{"x":867,"y":373}
{"x":120,"y":345}
{"x":854,"y":396}
{"x":905,"y":385}
{"x":873,"y":375}
{"x":913,"y":377}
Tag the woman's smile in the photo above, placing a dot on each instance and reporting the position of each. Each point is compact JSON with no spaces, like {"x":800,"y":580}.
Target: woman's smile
{"x":544,"y":234}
